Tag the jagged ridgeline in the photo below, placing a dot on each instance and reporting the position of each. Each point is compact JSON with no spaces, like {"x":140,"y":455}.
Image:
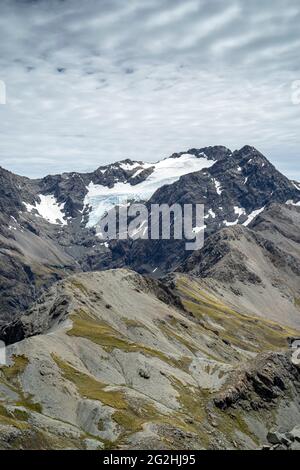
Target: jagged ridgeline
{"x":140,"y":343}
{"x":48,"y":225}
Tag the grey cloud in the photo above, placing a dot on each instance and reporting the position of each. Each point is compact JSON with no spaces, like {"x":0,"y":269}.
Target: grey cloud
{"x":91,"y":82}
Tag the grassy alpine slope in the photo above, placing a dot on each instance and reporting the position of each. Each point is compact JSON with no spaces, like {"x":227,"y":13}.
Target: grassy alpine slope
{"x":123,"y":369}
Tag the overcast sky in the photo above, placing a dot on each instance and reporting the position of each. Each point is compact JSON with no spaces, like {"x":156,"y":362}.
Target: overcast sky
{"x":90,"y":82}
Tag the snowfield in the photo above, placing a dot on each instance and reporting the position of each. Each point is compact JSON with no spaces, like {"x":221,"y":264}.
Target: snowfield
{"x":49,"y":209}
{"x":253,"y":215}
{"x":101,"y":198}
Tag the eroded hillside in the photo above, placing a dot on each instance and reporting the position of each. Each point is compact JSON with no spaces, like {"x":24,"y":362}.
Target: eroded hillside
{"x":121,"y":361}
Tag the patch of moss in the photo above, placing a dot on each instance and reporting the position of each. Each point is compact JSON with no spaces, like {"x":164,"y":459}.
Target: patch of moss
{"x":4,"y":412}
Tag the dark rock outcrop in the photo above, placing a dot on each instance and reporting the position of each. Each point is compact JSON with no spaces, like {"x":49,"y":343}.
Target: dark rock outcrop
{"x":260,"y":383}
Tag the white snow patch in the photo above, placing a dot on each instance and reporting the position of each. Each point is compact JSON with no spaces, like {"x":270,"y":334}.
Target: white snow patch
{"x":49,"y":209}
{"x":199,"y":229}
{"x":229,"y":224}
{"x":292,"y":203}
{"x":101,"y":199}
{"x":253,"y":215}
{"x":138,"y":172}
{"x":210,"y":213}
{"x":239,"y":211}
{"x":297,"y":186}
{"x":130,"y":166}
{"x":218,"y":187}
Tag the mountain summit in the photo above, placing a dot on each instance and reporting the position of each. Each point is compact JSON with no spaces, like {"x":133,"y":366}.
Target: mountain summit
{"x":193,"y":354}
{"x":47,"y":228}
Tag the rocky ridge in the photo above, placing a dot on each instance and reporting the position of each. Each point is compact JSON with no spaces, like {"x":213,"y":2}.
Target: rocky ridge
{"x":256,"y":267}
{"x":234,"y":187}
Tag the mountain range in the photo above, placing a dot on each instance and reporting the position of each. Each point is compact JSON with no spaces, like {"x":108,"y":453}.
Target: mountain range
{"x":140,"y":343}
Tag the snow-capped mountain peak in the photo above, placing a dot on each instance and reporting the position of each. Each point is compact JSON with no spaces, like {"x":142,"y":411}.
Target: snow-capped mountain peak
{"x":102,"y":197}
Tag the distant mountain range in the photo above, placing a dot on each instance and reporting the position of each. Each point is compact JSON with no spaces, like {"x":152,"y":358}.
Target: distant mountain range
{"x":47,"y":228}
{"x":140,"y":343}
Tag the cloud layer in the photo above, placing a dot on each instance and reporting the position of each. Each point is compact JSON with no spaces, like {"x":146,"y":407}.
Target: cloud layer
{"x":96,"y":81}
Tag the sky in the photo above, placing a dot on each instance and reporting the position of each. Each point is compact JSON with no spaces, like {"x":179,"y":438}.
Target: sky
{"x":95,"y":81}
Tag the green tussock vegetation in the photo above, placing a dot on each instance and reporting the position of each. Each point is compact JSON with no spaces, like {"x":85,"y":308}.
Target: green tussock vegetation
{"x":130,"y":417}
{"x":173,"y":335}
{"x":192,"y":400}
{"x":134,"y":323}
{"x":12,"y":372}
{"x":16,"y":418}
{"x":11,"y":377}
{"x":297,"y":302}
{"x":132,"y":420}
{"x":229,"y":423}
{"x":27,"y":402}
{"x":80,"y":286}
{"x":243,"y":331}
{"x":99,"y":332}
{"x":89,"y":387}
{"x":187,"y":341}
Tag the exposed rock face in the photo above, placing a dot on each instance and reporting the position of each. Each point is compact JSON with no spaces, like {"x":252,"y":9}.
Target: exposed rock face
{"x":30,"y":261}
{"x":284,"y":441}
{"x":261,"y":383}
{"x":12,"y":190}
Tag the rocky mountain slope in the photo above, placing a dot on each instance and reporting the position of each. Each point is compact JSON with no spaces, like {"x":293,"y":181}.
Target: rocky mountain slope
{"x":122,"y":361}
{"x":234,"y":191}
{"x":256,"y":267}
{"x":47,"y":229}
{"x":195,"y":356}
